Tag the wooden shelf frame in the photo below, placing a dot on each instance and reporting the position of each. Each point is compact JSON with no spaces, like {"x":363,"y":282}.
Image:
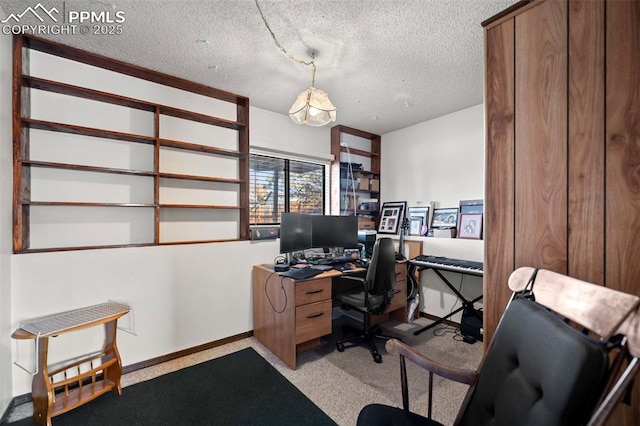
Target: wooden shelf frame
{"x":337,"y":170}
{"x":23,"y":83}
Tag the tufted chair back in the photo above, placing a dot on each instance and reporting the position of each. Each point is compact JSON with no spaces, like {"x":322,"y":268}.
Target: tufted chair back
{"x":538,"y":371}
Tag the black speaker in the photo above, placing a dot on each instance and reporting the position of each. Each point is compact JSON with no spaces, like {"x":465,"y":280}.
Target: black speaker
{"x":471,"y":327}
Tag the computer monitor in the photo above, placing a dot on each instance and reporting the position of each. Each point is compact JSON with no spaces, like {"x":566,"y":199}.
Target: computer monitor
{"x":334,"y":231}
{"x":295,"y":232}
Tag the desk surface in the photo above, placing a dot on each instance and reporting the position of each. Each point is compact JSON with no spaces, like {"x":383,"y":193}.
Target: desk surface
{"x":325,"y":274}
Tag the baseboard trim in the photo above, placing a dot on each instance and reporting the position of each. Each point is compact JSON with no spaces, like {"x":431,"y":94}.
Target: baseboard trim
{"x":27,"y":397}
{"x":185,"y":352}
{"x":435,"y":318}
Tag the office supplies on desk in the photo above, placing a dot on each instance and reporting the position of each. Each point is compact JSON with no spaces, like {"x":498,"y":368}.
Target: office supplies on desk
{"x":322,"y":267}
{"x":344,"y":267}
{"x":301,"y":273}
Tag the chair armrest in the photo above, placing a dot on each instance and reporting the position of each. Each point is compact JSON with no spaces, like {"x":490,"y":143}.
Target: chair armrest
{"x":460,"y":375}
{"x":351,"y":278}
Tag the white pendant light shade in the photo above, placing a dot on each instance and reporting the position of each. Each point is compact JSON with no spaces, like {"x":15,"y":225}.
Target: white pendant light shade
{"x":313,"y":108}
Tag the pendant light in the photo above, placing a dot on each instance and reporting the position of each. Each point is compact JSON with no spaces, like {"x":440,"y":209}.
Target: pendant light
{"x":312,"y":106}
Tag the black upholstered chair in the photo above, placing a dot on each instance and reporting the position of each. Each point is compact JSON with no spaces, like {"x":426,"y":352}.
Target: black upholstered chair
{"x":558,"y":360}
{"x":369,"y":295}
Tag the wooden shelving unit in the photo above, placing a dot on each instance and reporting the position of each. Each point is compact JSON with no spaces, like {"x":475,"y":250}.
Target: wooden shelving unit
{"x":351,"y":185}
{"x":24,"y":83}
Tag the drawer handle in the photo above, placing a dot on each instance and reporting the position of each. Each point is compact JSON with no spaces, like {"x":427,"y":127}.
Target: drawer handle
{"x":315,"y":315}
{"x":315,"y":292}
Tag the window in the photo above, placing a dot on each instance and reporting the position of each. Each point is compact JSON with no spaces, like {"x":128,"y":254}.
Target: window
{"x":278,"y":185}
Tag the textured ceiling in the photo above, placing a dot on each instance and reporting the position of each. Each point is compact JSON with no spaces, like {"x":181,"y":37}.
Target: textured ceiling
{"x":385,"y":64}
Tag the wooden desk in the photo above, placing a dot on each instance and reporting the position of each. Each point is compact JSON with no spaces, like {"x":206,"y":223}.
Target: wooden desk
{"x":291,"y":316}
{"x":65,"y":388}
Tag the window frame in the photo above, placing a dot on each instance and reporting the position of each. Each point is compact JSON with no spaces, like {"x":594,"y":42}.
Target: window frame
{"x":287,"y":159}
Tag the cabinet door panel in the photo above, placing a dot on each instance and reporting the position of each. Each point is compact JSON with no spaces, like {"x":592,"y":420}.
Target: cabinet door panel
{"x":623,"y":146}
{"x":541,"y":137}
{"x":499,"y":170}
{"x":586,"y":141}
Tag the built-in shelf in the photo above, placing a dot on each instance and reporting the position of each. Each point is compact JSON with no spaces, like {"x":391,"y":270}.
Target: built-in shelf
{"x":86,"y":131}
{"x":158,"y":156}
{"x":54,"y":165}
{"x":352,"y":184}
{"x":84,"y":204}
{"x":201,"y":148}
{"x":199,"y":206}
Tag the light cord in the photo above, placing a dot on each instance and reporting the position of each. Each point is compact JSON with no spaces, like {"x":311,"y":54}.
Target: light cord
{"x":283,"y":50}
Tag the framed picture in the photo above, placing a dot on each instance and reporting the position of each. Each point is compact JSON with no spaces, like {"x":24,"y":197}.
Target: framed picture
{"x":418,"y":220}
{"x":471,"y":206}
{"x":470,"y":226}
{"x":391,"y":216}
{"x":445,"y":218}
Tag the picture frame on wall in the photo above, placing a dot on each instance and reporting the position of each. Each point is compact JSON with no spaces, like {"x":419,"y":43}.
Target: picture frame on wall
{"x":470,"y":226}
{"x":418,"y":220}
{"x":445,"y":218}
{"x":391,"y":216}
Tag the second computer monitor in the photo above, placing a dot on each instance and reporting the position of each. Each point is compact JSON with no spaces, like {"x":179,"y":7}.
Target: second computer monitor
{"x":334,"y":231}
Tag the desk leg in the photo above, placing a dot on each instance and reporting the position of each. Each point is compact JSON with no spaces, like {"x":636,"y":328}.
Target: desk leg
{"x":41,"y":389}
{"x":110,"y":350}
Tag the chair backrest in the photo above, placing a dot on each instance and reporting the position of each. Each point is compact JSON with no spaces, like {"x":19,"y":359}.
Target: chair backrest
{"x":548,"y":361}
{"x":381,"y":274}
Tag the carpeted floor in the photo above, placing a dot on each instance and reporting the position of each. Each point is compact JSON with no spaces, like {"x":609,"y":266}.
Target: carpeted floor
{"x":441,"y":344}
{"x":340,"y":384}
{"x":241,"y":388}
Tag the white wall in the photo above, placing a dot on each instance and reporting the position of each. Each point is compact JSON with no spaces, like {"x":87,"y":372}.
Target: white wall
{"x":440,"y":160}
{"x":182,"y":296}
{"x":6,"y":173}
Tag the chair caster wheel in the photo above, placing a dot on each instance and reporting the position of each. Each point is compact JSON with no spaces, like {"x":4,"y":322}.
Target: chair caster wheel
{"x":377,"y":358}
{"x":340,"y":347}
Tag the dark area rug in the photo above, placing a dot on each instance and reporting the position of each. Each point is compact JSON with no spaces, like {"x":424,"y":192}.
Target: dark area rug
{"x":237,"y":389}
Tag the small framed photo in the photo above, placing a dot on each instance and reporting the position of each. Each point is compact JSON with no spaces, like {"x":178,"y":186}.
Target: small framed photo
{"x":418,"y":220}
{"x":445,"y":218}
{"x":470,"y":226}
{"x":391,"y":216}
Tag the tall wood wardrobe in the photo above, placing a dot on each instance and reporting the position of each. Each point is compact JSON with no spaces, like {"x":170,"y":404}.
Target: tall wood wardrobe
{"x":562,"y":184}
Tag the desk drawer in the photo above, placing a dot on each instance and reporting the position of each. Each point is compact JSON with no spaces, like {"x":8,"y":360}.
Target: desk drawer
{"x":399,"y":296}
{"x":400,"y":288}
{"x":313,"y":290}
{"x":313,"y":320}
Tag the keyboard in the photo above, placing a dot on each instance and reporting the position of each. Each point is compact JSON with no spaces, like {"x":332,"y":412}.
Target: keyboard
{"x":301,"y":273}
{"x":448,"y":264}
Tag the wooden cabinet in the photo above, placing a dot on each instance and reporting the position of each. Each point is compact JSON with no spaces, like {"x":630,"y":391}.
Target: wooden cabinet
{"x":290,"y":316}
{"x":354,"y":189}
{"x":562,"y":147}
{"x":126,"y":167}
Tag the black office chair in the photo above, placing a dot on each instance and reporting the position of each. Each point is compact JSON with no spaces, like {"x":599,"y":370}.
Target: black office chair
{"x":551,"y":360}
{"x":369,"y":295}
